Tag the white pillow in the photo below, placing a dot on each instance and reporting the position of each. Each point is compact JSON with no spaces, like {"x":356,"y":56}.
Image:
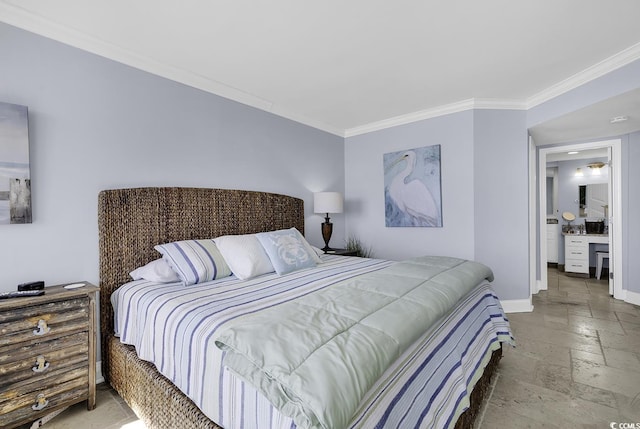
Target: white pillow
{"x":319,"y":251}
{"x":155,"y":271}
{"x":244,"y":255}
{"x":287,"y":250}
{"x":195,"y":261}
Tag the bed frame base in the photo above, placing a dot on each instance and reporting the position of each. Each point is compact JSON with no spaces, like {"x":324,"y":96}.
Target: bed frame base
{"x":480,"y":393}
{"x":159,"y":404}
{"x":154,"y":399}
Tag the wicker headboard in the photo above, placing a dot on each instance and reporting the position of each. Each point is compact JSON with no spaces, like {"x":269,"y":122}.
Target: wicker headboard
{"x":132,"y":221}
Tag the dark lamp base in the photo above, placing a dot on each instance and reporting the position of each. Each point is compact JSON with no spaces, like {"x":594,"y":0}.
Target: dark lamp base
{"x":327,"y":230}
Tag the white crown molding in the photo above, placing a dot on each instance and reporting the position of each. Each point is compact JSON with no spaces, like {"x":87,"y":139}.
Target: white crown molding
{"x":460,"y":106}
{"x":410,"y":117}
{"x":497,"y":104}
{"x":276,"y":110}
{"x":614,"y":62}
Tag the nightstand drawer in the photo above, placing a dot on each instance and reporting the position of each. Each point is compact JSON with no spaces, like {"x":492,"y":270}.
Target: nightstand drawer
{"x":42,"y":322}
{"x":37,"y":361}
{"x":27,"y":401}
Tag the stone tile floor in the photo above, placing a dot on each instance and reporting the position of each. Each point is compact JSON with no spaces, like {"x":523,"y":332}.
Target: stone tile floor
{"x":576,"y":364}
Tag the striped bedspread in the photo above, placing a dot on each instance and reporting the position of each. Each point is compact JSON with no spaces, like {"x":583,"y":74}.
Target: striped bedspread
{"x":174,"y":326}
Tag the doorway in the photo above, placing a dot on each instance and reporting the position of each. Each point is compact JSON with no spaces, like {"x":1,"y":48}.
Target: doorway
{"x":613,"y":218}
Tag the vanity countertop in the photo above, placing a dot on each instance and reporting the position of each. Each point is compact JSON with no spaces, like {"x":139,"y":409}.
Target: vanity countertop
{"x":584,"y":235}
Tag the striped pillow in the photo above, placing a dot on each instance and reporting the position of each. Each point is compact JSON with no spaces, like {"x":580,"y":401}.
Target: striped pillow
{"x":195,"y":261}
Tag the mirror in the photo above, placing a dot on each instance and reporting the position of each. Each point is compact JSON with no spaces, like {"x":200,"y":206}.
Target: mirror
{"x":593,"y":200}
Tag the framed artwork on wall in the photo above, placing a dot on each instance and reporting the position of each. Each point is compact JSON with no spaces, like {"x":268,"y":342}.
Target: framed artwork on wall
{"x":412,"y":190}
{"x":15,"y":176}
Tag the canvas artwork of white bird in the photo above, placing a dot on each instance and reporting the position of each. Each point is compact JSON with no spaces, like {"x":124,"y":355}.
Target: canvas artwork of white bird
{"x":411,"y":196}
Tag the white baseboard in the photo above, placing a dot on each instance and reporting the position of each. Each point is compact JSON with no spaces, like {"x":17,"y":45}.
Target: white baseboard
{"x":540,"y":286}
{"x":99,"y":376}
{"x":632,"y":297}
{"x":517,"y":305}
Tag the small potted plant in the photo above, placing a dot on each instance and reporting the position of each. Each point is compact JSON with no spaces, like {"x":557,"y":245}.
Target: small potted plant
{"x":355,"y":245}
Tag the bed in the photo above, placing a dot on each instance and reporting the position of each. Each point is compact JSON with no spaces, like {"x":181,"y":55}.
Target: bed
{"x":133,"y":221}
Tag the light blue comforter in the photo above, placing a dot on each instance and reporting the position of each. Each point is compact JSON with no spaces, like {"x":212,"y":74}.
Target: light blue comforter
{"x":315,"y":357}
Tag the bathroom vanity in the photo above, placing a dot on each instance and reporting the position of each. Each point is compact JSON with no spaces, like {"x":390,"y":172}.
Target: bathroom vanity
{"x":576,"y":251}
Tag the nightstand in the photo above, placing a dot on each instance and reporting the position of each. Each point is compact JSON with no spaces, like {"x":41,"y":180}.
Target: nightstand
{"x":342,"y":252}
{"x":47,"y":353}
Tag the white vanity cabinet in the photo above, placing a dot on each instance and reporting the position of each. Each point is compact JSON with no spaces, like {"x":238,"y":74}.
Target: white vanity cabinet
{"x":552,"y":242}
{"x":576,"y":254}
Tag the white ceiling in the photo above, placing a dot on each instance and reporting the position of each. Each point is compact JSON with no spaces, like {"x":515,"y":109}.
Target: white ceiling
{"x":348,"y":67}
{"x":583,"y":154}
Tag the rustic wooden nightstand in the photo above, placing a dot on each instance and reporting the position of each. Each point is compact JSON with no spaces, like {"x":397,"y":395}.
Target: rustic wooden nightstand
{"x":47,"y":353}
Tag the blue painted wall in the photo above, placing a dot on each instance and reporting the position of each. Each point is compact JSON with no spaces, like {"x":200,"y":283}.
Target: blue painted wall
{"x":364,"y":186}
{"x":501,"y":199}
{"x":96,"y":124}
{"x":484,"y":193}
{"x":631,"y":207}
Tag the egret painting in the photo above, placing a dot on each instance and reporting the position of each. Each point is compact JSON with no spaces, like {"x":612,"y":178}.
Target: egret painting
{"x":15,"y":180}
{"x":412,"y":192}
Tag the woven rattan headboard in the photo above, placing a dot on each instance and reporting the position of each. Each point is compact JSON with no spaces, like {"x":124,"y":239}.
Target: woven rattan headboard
{"x":132,"y":221}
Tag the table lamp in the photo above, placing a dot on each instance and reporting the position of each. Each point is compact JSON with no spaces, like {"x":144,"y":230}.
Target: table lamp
{"x":327,"y":202}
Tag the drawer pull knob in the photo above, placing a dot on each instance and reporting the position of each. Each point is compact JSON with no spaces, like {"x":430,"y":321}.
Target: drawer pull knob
{"x":41,"y":364}
{"x":41,"y":402}
{"x":42,"y":328}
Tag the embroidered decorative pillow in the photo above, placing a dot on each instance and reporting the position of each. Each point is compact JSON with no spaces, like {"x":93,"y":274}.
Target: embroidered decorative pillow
{"x":244,"y":255}
{"x":195,"y":261}
{"x":156,"y":271}
{"x":287,"y":250}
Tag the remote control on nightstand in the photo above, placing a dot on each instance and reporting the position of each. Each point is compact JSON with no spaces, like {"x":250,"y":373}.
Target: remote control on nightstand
{"x":21,"y":294}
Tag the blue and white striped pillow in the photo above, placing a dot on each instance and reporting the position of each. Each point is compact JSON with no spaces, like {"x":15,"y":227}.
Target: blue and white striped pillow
{"x":195,"y":261}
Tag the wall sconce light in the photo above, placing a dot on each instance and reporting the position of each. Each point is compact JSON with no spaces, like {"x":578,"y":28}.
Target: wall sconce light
{"x":596,"y":165}
{"x":579,"y":172}
{"x":596,"y":168}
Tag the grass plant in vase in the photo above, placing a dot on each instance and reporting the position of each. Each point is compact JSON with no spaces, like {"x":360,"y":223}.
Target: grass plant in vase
{"x":355,"y":244}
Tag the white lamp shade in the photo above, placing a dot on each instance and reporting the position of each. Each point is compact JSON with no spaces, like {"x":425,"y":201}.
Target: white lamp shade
{"x":327,"y":202}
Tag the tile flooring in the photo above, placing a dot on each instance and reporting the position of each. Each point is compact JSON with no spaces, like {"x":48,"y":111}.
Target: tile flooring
{"x":577,"y":365}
